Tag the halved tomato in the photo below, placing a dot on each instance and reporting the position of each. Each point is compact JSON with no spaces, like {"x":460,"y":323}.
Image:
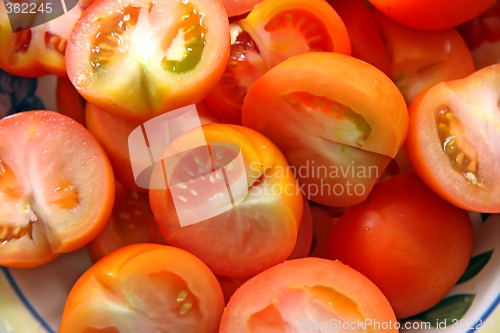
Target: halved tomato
{"x":131,"y":222}
{"x":56,"y":187}
{"x":240,"y":216}
{"x":38,"y":50}
{"x":145,"y":288}
{"x":284,"y":28}
{"x":338,"y":120}
{"x":421,"y":59}
{"x":309,"y":295}
{"x":139,"y":58}
{"x":454,"y":140}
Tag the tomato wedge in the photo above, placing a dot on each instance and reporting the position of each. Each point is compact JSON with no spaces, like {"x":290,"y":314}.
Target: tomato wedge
{"x":145,"y":287}
{"x":356,"y":122}
{"x":69,"y":101}
{"x":56,"y":187}
{"x":162,"y":55}
{"x":256,"y":228}
{"x":239,"y":7}
{"x":284,"y":28}
{"x":39,"y":50}
{"x":309,"y":295}
{"x":453,"y":140}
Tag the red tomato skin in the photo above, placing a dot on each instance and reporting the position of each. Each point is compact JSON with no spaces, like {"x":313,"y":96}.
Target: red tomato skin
{"x":432,"y":14}
{"x":411,"y":243}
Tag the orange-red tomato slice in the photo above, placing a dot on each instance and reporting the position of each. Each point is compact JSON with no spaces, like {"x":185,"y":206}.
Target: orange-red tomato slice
{"x":56,"y":187}
{"x":308,"y":295}
{"x":337,"y":119}
{"x":161,"y":55}
{"x":145,"y":287}
{"x":453,"y":140}
{"x":252,"y":234}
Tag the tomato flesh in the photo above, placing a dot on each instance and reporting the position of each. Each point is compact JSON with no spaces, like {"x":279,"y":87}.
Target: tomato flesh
{"x":156,"y":67}
{"x":51,"y":182}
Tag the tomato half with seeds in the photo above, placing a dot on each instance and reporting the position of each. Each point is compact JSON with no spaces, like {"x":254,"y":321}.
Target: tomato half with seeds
{"x":245,"y":65}
{"x":338,"y":120}
{"x":284,"y":28}
{"x":308,"y":295}
{"x":453,"y":140}
{"x":39,"y":50}
{"x":232,"y":203}
{"x":161,"y":55}
{"x":145,"y":287}
{"x":56,"y":187}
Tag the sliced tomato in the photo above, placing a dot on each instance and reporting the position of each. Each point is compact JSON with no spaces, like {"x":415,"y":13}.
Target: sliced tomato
{"x":406,"y":239}
{"x":145,"y":287}
{"x":38,"y":50}
{"x":366,"y":40}
{"x":131,"y":222}
{"x":161,"y":55}
{"x":420,"y":59}
{"x":69,"y":101}
{"x":304,"y":235}
{"x":356,"y":122}
{"x":56,"y":187}
{"x":284,"y":28}
{"x":453,"y":140}
{"x":245,"y":65}
{"x":251,"y":226}
{"x":239,"y":7}
{"x":432,"y":14}
{"x":323,"y":218}
{"x":308,"y":295}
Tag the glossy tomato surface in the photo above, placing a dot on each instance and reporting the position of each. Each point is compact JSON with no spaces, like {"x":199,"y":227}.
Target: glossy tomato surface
{"x":308,"y":295}
{"x":337,"y":119}
{"x":257,"y":228}
{"x":145,"y":287}
{"x":411,"y":243}
{"x":453,"y":140}
{"x":160,"y":55}
{"x":432,"y":14}
{"x":56,"y":187}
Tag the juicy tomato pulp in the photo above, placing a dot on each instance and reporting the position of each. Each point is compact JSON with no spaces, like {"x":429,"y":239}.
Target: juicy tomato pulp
{"x":264,"y":206}
{"x":356,"y":122}
{"x":411,"y":243}
{"x":56,"y":187}
{"x":145,"y":288}
{"x":284,"y":28}
{"x":327,"y":291}
{"x":39,"y":50}
{"x":160,"y":55}
{"x":454,"y":140}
